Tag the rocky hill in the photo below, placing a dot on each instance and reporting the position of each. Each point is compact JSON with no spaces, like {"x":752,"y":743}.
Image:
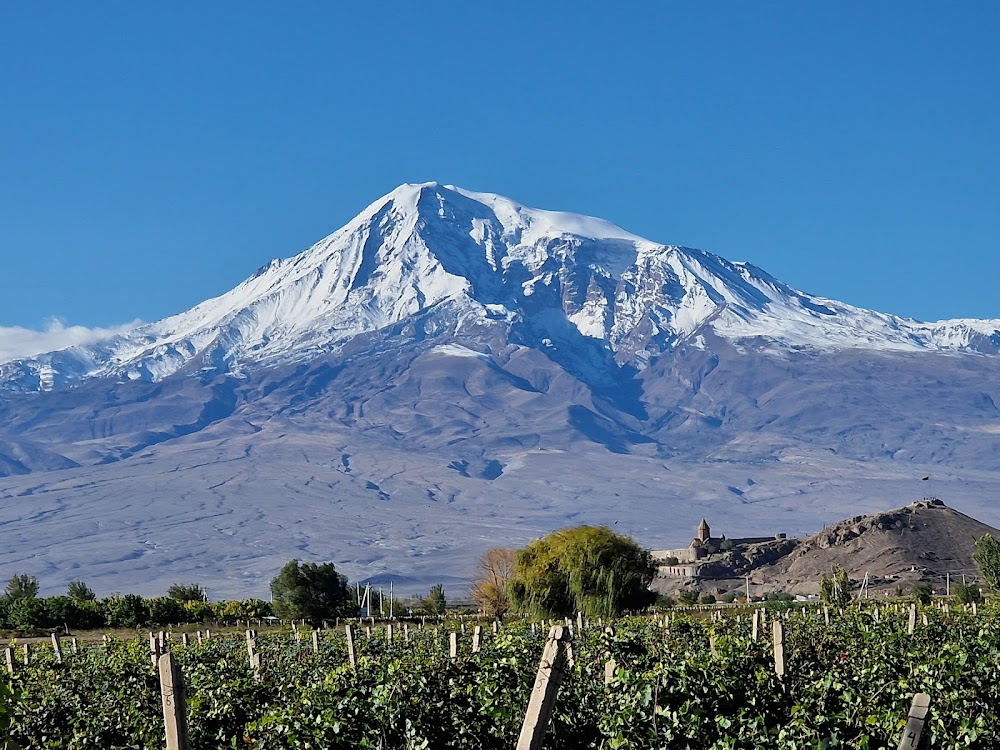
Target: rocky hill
{"x":923,"y":541}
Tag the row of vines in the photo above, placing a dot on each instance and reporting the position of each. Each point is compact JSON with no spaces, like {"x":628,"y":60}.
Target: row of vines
{"x":688,"y":684}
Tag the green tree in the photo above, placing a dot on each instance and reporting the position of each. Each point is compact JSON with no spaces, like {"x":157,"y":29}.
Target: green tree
{"x":708,"y":599}
{"x":922,"y":592}
{"x":187,"y":592}
{"x":967,"y":593}
{"x":29,"y":613}
{"x":987,"y":557}
{"x":835,"y":591}
{"x":65,"y":610}
{"x":78,"y":591}
{"x":311,"y":591}
{"x":688,"y":596}
{"x":127,"y":611}
{"x":22,"y":587}
{"x":586,"y":569}
{"x":435,"y":602}
{"x":163,"y":610}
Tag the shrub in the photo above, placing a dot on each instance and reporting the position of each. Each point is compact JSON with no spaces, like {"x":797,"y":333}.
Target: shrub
{"x":967,"y":593}
{"x":688,"y":596}
{"x":922,"y":592}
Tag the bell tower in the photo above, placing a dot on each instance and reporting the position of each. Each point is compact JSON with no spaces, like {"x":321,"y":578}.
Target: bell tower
{"x":704,"y":533}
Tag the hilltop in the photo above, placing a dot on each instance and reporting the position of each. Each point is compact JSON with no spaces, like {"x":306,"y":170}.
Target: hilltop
{"x":923,"y":541}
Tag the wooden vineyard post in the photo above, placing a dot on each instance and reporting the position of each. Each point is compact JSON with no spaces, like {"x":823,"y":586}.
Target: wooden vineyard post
{"x":915,"y":722}
{"x":406,"y":632}
{"x":545,"y":689}
{"x":755,"y":625}
{"x":27,"y":653}
{"x":477,"y":639}
{"x":9,"y":654}
{"x":496,"y":627}
{"x":826,"y":615}
{"x":453,"y":645}
{"x":610,"y":667}
{"x":315,"y":641}
{"x":912,"y":624}
{"x":174,"y":703}
{"x":253,"y":653}
{"x":779,"y":648}
{"x":349,"y":631}
{"x":73,"y":646}
{"x":154,"y":650}
{"x":57,"y":648}
{"x":388,"y":632}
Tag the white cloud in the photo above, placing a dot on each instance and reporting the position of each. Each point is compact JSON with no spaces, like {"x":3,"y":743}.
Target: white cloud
{"x":17,"y":342}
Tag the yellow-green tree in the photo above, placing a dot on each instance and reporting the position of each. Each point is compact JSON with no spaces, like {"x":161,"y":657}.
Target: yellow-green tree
{"x":588,"y":569}
{"x":489,"y":587}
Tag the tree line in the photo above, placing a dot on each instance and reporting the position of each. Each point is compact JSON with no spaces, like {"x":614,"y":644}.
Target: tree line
{"x":588,"y":569}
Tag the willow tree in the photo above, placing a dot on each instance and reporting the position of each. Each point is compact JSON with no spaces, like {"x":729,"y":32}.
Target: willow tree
{"x":588,"y":569}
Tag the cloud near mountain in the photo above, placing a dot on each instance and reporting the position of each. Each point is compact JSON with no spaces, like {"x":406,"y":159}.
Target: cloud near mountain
{"x":17,"y":342}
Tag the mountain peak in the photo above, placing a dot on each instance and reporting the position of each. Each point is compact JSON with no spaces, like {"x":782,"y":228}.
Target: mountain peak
{"x":467,"y":263}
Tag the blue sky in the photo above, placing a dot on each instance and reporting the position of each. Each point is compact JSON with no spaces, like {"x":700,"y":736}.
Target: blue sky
{"x":154,"y":155}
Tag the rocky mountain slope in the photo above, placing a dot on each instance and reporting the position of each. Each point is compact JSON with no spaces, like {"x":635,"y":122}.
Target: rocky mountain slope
{"x":452,"y":369}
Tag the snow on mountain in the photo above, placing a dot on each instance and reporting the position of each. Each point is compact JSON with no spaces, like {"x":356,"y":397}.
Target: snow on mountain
{"x":462,"y":262}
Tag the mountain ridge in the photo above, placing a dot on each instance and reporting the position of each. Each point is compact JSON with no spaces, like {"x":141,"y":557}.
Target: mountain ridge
{"x":494,"y":261}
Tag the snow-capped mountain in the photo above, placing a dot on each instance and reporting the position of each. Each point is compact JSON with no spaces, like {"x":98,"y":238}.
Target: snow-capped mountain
{"x":455,"y":263}
{"x":451,"y":371}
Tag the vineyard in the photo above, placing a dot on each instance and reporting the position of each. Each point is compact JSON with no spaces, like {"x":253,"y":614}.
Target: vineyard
{"x":674,"y":681}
